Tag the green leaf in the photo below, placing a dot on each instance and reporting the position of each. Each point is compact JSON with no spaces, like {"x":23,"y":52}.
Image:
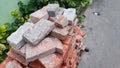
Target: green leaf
{"x":0,"y":52}
{"x":2,"y":47}
{"x":3,"y":41}
{"x":2,"y":28}
{"x":81,"y":17}
{"x":84,"y":3}
{"x":1,"y":36}
{"x":72,"y":4}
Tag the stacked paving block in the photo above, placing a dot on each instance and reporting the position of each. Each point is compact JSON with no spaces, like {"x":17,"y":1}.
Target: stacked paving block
{"x":51,"y":39}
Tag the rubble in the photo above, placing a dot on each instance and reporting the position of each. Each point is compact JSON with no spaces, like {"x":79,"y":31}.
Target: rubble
{"x":53,"y":41}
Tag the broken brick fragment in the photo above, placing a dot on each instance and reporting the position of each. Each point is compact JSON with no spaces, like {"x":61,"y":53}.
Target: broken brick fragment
{"x":60,"y":33}
{"x":61,"y":21}
{"x":17,"y":57}
{"x":36,"y":64}
{"x":68,"y":40}
{"x":76,"y":29}
{"x":82,"y":33}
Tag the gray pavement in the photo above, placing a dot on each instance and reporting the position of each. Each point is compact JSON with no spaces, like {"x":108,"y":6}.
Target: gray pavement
{"x":103,"y":35}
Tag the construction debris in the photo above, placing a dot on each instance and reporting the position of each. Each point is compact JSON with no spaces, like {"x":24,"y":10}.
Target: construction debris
{"x":54,"y":42}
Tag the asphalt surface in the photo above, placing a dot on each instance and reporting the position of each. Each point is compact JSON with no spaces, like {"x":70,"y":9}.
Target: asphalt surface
{"x":103,"y":35}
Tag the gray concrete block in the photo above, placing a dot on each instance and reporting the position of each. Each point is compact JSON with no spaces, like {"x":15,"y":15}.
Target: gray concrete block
{"x":61,"y":21}
{"x":39,"y":14}
{"x":16,"y":39}
{"x":52,"y":9}
{"x":38,"y":32}
{"x":70,"y":13}
{"x":60,"y":11}
{"x":46,"y":47}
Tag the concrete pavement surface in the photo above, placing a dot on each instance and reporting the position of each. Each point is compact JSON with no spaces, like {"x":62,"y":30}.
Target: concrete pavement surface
{"x":103,"y":35}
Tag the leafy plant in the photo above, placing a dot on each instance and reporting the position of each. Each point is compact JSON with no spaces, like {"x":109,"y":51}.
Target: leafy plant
{"x":85,"y":3}
{"x":81,"y":17}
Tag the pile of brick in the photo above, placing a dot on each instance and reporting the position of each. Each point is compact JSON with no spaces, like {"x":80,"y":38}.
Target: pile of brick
{"x":51,"y":39}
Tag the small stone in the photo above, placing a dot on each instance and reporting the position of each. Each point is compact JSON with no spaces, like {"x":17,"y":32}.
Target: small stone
{"x":96,"y":13}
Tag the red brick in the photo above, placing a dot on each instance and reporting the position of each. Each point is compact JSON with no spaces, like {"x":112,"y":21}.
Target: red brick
{"x":13,"y":64}
{"x":61,"y":21}
{"x":51,"y":61}
{"x":60,"y":33}
{"x":74,"y":56}
{"x":36,"y":64}
{"x":68,"y":40}
{"x":17,"y":57}
{"x":3,"y":64}
{"x":65,"y":50}
{"x":48,"y":46}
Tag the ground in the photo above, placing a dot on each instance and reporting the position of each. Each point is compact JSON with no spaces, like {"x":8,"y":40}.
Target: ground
{"x":103,"y":35}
